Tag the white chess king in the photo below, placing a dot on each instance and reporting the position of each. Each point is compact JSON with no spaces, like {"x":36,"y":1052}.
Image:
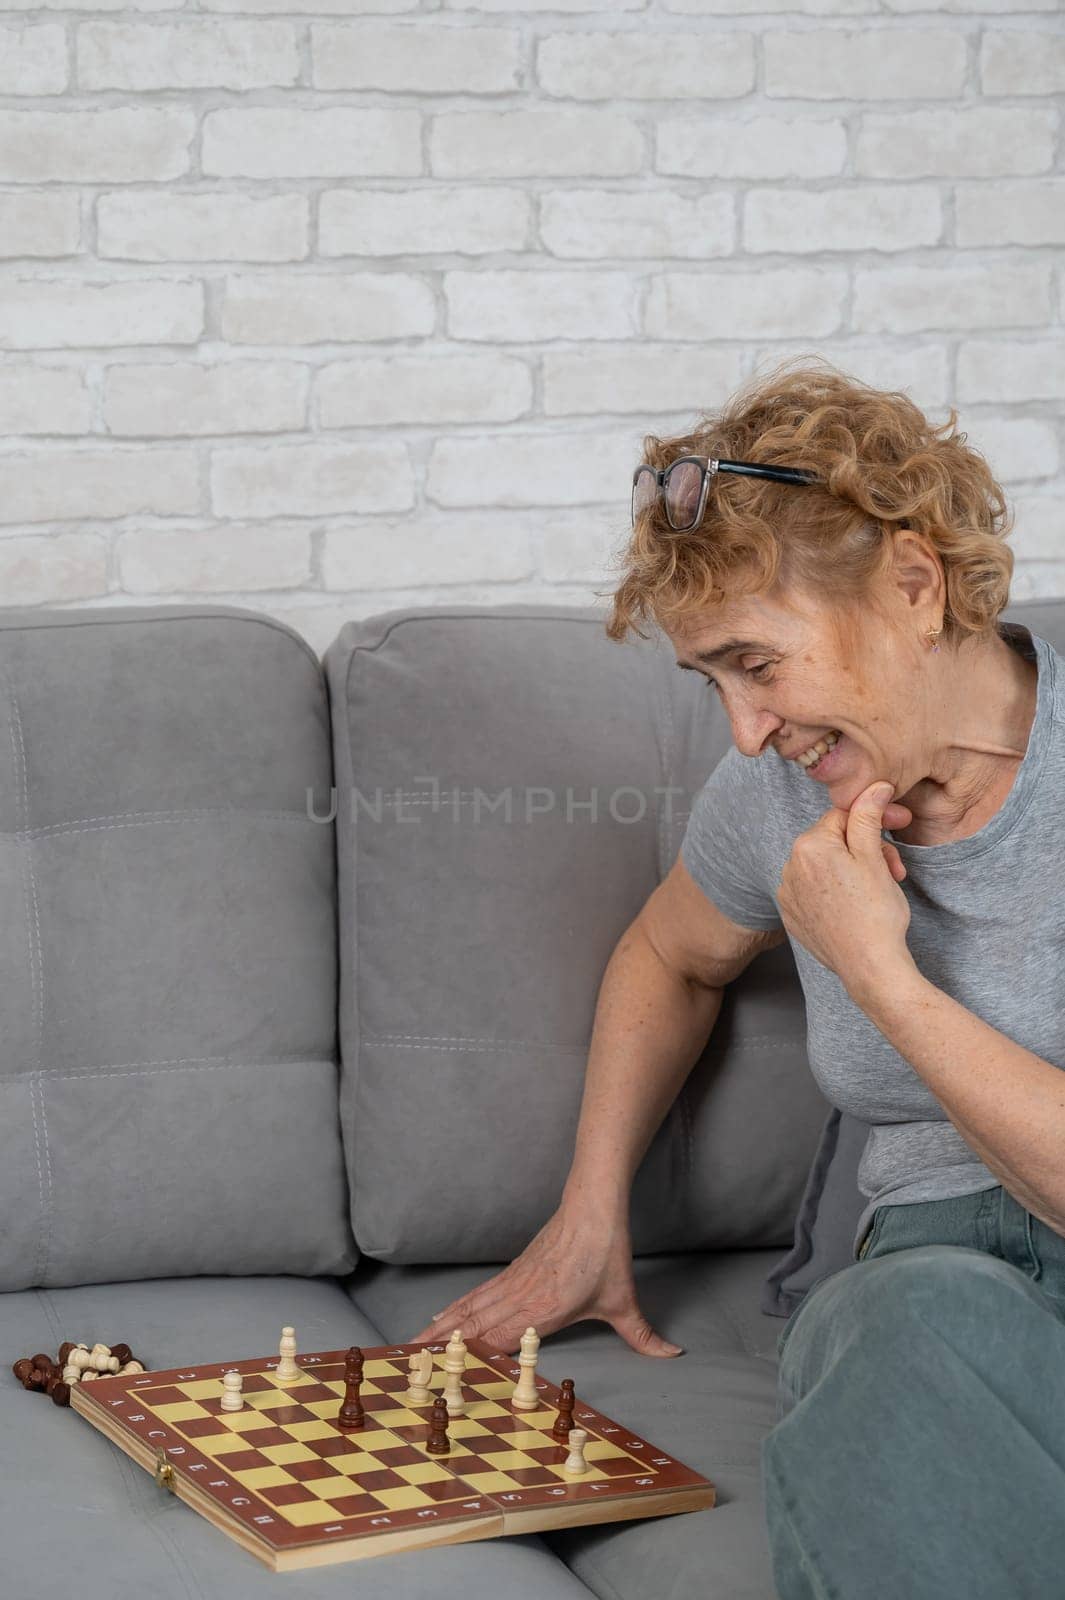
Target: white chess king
{"x":526,"y":1396}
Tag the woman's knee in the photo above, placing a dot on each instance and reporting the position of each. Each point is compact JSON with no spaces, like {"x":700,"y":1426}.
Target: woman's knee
{"x":873,"y":1300}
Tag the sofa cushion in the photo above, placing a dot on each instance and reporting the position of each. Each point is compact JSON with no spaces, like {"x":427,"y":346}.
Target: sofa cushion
{"x":511,"y":786}
{"x":168,"y":1062}
{"x":77,"y":1516}
{"x":712,"y":1406}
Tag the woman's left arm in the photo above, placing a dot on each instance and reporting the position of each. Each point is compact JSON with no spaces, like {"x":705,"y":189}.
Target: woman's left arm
{"x":1007,"y":1103}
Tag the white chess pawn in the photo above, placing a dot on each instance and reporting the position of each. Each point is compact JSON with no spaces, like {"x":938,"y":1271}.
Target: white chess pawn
{"x":232,"y":1391}
{"x":131,"y":1366}
{"x":286,"y":1367}
{"x":575,"y":1461}
{"x":420,"y":1369}
{"x":454,"y":1367}
{"x":526,"y":1396}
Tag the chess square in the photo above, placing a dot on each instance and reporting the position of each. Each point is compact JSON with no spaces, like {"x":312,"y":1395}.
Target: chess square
{"x":255,"y":1383}
{"x":390,"y":1384}
{"x":245,"y":1421}
{"x":323,"y":1488}
{"x":442,"y":1489}
{"x":164,"y":1395}
{"x":405,"y":1499}
{"x":259,"y":1478}
{"x":537,"y":1477}
{"x":248,"y":1460}
{"x":334,"y":1445}
{"x":220,"y":1446}
{"x":421,"y":1472}
{"x":311,"y":1513}
{"x":288,"y":1494}
{"x":307,"y":1393}
{"x":285,"y":1454}
{"x":381,"y":1479}
{"x":308,"y":1431}
{"x":398,"y":1455}
{"x":400,"y":1419}
{"x":264,"y":1434}
{"x":353,"y":1505}
{"x":204,"y":1427}
{"x":284,"y":1415}
{"x":181,"y":1411}
{"x":315,"y":1468}
{"x":490,"y":1482}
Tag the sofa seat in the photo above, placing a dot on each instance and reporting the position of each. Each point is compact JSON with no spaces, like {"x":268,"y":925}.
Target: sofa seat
{"x":78,"y":1517}
{"x":712,"y":1407}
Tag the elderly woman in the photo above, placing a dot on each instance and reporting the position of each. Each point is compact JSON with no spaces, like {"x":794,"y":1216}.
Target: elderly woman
{"x":834,"y":566}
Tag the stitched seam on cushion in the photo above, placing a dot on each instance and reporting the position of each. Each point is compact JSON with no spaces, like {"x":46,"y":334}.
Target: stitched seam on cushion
{"x":480,"y":1044}
{"x":140,"y":1069}
{"x":33,"y":939}
{"x":140,"y":819}
{"x":220,"y":614}
{"x":533,"y":1044}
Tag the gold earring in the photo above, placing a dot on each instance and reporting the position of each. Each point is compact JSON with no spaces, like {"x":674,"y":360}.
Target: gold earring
{"x":933,"y":633}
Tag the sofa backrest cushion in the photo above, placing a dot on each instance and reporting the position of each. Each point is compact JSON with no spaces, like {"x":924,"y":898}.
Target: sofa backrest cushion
{"x":167,"y":954}
{"x":480,"y":901}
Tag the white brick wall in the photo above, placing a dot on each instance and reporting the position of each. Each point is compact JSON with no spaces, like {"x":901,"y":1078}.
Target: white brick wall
{"x":327,"y":306}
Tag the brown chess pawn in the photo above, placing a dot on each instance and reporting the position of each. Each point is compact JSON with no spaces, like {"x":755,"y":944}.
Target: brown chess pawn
{"x":564,"y":1420}
{"x":351,"y":1414}
{"x":438,"y":1443}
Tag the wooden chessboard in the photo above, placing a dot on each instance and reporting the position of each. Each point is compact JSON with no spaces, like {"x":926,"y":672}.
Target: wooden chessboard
{"x":283,"y":1480}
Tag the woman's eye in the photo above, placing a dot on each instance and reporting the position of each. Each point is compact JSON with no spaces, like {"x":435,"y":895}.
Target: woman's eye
{"x":753,"y":672}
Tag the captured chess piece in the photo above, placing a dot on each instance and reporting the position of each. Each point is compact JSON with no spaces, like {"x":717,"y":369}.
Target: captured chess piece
{"x":454,"y":1368}
{"x":438,"y":1443}
{"x":526,"y":1396}
{"x":351,"y":1414}
{"x":232,"y":1391}
{"x":420,"y":1370}
{"x":575,"y":1461}
{"x":286,"y":1366}
{"x":564,"y":1420}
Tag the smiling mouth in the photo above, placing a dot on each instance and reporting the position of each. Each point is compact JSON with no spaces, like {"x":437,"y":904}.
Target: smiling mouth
{"x":813,"y":753}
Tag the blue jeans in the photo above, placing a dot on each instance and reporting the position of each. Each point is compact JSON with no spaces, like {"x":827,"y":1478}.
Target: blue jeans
{"x":919,"y":1447}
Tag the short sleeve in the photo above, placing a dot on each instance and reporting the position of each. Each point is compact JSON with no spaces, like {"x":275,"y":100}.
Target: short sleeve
{"x":721,"y":844}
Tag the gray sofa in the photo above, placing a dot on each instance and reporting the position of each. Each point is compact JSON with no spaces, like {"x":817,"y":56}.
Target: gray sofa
{"x":295,"y":1011}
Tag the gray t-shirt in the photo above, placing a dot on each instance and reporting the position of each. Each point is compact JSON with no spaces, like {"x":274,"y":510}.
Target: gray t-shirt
{"x":987,"y":926}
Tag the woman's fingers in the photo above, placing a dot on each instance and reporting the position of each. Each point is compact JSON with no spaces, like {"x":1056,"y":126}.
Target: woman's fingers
{"x":637,"y":1332}
{"x":467,"y":1312}
{"x":894,"y":861}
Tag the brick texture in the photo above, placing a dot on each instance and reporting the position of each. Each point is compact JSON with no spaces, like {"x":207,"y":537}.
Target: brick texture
{"x":328,"y":309}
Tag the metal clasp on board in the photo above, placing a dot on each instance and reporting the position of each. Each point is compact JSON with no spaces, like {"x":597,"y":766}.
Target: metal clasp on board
{"x":164,"y":1471}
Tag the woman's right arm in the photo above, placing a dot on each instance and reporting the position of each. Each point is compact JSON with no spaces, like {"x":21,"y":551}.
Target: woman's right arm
{"x":658,"y":1001}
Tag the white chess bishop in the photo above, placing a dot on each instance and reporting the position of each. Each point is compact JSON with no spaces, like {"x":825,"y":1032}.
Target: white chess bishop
{"x":454,"y":1367}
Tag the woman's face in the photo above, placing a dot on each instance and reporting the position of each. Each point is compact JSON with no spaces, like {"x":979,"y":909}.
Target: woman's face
{"x":784,"y":685}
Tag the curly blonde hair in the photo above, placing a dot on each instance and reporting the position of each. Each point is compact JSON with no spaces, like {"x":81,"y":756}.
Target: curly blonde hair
{"x":881,"y":466}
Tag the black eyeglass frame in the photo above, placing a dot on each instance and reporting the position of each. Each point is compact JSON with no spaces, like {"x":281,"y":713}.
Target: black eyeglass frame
{"x":708,"y":465}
